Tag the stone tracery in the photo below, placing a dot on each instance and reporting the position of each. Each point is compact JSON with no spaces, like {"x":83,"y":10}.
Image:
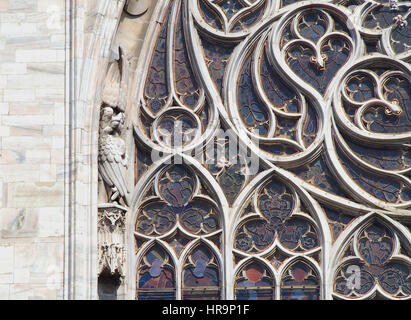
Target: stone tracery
{"x":296,"y":85}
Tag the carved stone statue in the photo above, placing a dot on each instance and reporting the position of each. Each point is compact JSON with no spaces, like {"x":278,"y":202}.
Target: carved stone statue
{"x":112,"y":156}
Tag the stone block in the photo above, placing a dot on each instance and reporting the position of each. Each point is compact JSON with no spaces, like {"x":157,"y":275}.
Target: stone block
{"x":40,"y":194}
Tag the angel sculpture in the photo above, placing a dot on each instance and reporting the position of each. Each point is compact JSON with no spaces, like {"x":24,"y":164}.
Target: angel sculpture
{"x":112,"y":157}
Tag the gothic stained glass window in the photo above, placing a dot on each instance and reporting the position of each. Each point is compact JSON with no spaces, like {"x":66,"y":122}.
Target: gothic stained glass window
{"x":201,"y":275}
{"x":300,"y":282}
{"x":315,"y":200}
{"x":156,"y":277}
{"x":254,"y":282}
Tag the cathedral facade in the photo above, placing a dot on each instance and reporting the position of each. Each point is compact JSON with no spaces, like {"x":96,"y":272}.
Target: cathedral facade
{"x":205,"y":149}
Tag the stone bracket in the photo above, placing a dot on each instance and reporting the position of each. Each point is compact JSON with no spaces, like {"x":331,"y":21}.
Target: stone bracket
{"x":111,"y":238}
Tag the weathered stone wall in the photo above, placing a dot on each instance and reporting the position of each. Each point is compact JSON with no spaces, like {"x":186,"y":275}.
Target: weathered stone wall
{"x":52,"y":59}
{"x":32,"y":115}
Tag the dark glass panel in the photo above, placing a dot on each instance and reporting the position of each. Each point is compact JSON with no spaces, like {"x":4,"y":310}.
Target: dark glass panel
{"x":216,"y":56}
{"x":254,"y":282}
{"x":298,"y":234}
{"x":286,"y":128}
{"x":337,"y":220}
{"x":375,"y":244}
{"x":395,"y":278}
{"x":252,"y":111}
{"x":287,"y":2}
{"x":185,"y":82}
{"x":230,"y":7}
{"x":312,"y":25}
{"x":310,"y":127}
{"x":382,"y":17}
{"x":254,"y":235}
{"x":401,"y":36}
{"x":279,"y":94}
{"x":178,"y":242}
{"x":176,"y":185}
{"x":360,"y":87}
{"x":156,"y":276}
{"x":200,"y":217}
{"x":345,"y":281}
{"x":381,"y":187}
{"x":250,"y":18}
{"x":228,"y":166}
{"x":385,"y":158}
{"x":201,"y":275}
{"x":155,"y":219}
{"x":336,"y":52}
{"x":209,"y":15}
{"x":300,"y":282}
{"x":156,"y":89}
{"x":276,"y":203}
{"x":279,"y":149}
{"x":277,"y":258}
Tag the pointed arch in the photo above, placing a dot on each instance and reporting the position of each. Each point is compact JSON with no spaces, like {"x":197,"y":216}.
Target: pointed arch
{"x":254,"y":281}
{"x":156,"y":274}
{"x":201,"y":273}
{"x":300,"y":280}
{"x":378,"y":263}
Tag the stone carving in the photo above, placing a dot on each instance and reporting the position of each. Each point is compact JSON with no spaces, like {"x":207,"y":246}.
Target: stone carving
{"x":112,"y":156}
{"x":137,"y":7}
{"x":111,"y":227}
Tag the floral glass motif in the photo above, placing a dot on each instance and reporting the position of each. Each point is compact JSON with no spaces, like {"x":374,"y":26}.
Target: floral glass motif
{"x":320,"y":93}
{"x":197,"y":216}
{"x":177,"y":215}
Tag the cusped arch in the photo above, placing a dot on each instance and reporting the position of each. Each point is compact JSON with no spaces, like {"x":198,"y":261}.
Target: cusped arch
{"x":255,"y":279}
{"x":202,"y":271}
{"x":301,"y":279}
{"x":364,"y":262}
{"x":156,"y":269}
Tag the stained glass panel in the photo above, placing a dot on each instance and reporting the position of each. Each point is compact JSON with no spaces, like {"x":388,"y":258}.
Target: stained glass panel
{"x":316,"y":98}
{"x":254,"y":282}
{"x":201,"y":275}
{"x":156,"y":280}
{"x":300,"y":282}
